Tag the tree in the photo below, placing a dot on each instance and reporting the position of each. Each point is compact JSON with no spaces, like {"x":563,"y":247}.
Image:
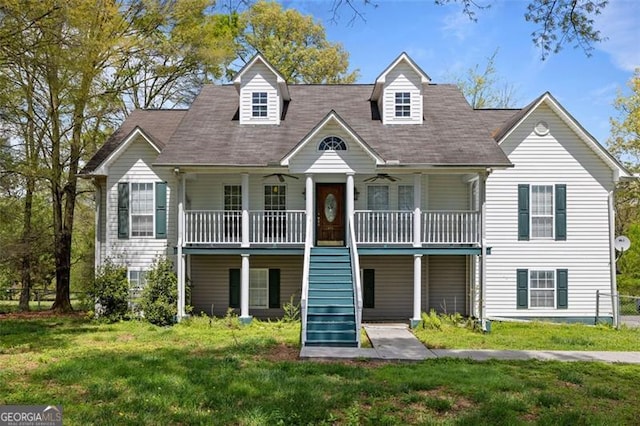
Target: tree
{"x":560,"y":22}
{"x":625,"y":145}
{"x":295,"y":44}
{"x":483,"y":89}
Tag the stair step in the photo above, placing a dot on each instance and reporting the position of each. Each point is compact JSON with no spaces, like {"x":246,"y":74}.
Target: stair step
{"x":318,"y":276}
{"x":327,"y":317}
{"x":336,"y":336}
{"x":329,"y":250}
{"x":331,"y":301}
{"x":330,"y":292}
{"x":330,"y":265}
{"x":331,"y":258}
{"x":331,"y":326}
{"x":332,"y":344}
{"x":331,"y":310}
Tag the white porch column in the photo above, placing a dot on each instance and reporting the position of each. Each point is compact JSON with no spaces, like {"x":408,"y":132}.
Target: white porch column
{"x":179,"y":255}
{"x":417,"y":211}
{"x":309,"y":197}
{"x":482,"y":184}
{"x":417,"y":289}
{"x":244,"y":290}
{"x":245,"y":210}
{"x":350,"y":195}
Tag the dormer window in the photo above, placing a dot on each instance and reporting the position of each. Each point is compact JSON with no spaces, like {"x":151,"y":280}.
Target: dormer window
{"x":403,"y":104}
{"x":259,"y":104}
{"x":332,"y":143}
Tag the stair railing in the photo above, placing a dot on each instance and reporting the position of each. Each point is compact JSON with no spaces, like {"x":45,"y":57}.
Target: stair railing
{"x":304,"y":297}
{"x":355,"y":272}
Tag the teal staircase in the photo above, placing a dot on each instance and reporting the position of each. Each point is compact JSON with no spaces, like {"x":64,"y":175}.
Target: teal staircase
{"x":331,"y":316}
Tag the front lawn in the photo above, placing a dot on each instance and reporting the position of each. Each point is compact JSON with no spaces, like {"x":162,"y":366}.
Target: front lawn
{"x":219,"y":373}
{"x":532,"y":336}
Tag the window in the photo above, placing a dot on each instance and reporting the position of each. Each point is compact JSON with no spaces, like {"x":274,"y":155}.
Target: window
{"x":259,"y":104}
{"x":405,"y":197}
{"x":403,"y":104}
{"x":542,"y":287}
{"x":137,"y":282}
{"x":332,"y":143}
{"x":142,"y":208}
{"x":378,"y":197}
{"x":541,"y":211}
{"x":546,"y":288}
{"x":275,"y":204}
{"x":259,"y":288}
{"x":232,"y":197}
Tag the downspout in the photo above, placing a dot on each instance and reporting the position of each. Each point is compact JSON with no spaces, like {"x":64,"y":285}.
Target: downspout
{"x":98,"y":217}
{"x":612,"y":259}
{"x":483,"y":249}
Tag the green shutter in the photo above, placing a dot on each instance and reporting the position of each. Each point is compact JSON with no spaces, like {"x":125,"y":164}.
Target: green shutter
{"x":234,"y":288}
{"x":161,"y":210}
{"x":368,"y":288}
{"x":274,"y":288}
{"x":523,"y":212}
{"x":123,"y":210}
{"x":562,"y":278}
{"x":561,"y":212}
{"x":523,"y":288}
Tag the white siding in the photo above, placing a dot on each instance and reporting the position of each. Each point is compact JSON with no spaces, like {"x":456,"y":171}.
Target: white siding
{"x":448,"y":288}
{"x":259,"y":79}
{"x":560,"y":157}
{"x":134,"y":165}
{"x":210,"y":282}
{"x":402,"y":78}
{"x":448,"y":192}
{"x":353,"y":160}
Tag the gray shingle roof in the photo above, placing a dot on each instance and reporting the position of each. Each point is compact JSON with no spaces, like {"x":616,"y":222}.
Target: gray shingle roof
{"x":452,"y":133}
{"x":159,"y":125}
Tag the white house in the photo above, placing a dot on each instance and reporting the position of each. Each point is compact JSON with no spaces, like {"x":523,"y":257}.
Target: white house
{"x":362,"y":201}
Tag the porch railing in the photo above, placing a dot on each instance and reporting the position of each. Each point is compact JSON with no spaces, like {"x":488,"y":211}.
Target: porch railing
{"x":384,"y":227}
{"x":225,"y":227}
{"x":450,"y":227}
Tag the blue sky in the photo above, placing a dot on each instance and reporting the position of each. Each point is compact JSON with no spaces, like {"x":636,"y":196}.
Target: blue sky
{"x":445,"y":43}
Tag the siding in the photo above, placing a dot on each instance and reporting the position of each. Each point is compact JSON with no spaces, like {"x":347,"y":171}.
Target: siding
{"x":402,"y":78}
{"x":210,"y":282}
{"x":448,"y":192}
{"x":259,"y":79}
{"x":353,"y":160}
{"x":134,"y":165}
{"x":560,"y":157}
{"x":448,"y":290}
{"x":403,"y":179}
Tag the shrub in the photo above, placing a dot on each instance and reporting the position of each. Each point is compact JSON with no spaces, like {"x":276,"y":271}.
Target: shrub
{"x":291,"y":311}
{"x":160,"y":295}
{"x":110,"y":292}
{"x":431,"y":320}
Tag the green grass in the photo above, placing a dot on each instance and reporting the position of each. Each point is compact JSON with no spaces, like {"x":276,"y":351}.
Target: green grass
{"x":532,"y":336}
{"x":221,"y":373}
{"x":9,"y":306}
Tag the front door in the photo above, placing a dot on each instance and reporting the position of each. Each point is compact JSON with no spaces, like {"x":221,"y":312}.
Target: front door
{"x":330,"y":214}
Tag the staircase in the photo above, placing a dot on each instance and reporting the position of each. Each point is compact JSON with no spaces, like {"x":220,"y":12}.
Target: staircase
{"x":331,"y":317}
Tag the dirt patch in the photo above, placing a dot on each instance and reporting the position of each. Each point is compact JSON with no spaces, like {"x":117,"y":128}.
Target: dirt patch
{"x":281,"y":352}
{"x":40,"y":315}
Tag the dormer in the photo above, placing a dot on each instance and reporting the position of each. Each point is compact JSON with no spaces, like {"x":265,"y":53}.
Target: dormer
{"x":399,"y":91}
{"x":263,"y":92}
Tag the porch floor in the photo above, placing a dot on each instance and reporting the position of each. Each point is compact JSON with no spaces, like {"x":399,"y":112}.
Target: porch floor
{"x":396,"y":342}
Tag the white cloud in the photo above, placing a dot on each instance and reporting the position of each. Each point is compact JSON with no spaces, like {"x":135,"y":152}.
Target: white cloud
{"x":457,"y":24}
{"x":620,"y":23}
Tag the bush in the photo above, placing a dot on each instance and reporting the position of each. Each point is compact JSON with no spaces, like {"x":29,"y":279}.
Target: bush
{"x":110,"y":292}
{"x":431,"y":320}
{"x":160,"y":295}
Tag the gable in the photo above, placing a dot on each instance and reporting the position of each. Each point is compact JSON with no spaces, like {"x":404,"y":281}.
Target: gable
{"x":259,"y":79}
{"x":132,"y":141}
{"x":401,"y":79}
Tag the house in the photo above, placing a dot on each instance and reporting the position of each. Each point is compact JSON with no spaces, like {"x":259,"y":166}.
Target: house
{"x":363,"y":202}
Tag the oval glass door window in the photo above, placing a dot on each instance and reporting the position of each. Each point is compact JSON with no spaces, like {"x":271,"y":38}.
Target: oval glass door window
{"x":330,"y":208}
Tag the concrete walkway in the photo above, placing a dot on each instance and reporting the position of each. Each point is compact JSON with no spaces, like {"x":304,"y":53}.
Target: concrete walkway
{"x":396,"y":342}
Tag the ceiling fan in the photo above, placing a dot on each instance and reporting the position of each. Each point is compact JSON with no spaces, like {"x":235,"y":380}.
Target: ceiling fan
{"x":280,"y":176}
{"x":382,"y":176}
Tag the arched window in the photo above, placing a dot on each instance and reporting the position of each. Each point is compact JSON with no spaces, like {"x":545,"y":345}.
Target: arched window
{"x":332,"y":143}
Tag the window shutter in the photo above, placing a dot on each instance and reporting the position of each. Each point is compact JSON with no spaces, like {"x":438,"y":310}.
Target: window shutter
{"x":523,"y":288}
{"x":562,"y":276}
{"x":123,"y":210}
{"x":523,"y":212}
{"x":161,"y":209}
{"x":561,"y":212}
{"x":234,"y":288}
{"x":368,"y":288}
{"x":274,"y":288}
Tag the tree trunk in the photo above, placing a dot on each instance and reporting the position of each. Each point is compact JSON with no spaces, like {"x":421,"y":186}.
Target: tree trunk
{"x":25,"y":293}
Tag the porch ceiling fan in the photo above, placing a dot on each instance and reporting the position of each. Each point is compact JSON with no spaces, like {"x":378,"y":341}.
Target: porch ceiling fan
{"x":382,"y":176}
{"x":280,"y":176}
